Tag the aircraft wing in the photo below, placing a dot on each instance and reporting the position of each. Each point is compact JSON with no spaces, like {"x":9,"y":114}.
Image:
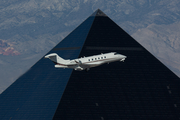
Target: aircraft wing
{"x":82,"y":65}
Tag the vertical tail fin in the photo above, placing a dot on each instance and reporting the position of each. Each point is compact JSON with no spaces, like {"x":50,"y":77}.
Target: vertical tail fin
{"x":55,"y":58}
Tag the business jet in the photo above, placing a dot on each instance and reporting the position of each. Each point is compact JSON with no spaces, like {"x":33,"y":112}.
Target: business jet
{"x":85,"y":63}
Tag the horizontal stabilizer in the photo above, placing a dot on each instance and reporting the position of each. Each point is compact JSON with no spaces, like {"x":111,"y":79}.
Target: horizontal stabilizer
{"x":56,"y":59}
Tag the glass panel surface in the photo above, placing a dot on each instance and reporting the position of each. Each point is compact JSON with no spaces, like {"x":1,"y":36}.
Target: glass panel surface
{"x":36,"y":94}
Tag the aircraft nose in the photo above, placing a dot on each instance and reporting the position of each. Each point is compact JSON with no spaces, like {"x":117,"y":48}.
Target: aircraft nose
{"x":123,"y":56}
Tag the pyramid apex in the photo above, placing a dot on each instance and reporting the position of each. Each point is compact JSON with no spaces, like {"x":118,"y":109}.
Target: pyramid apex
{"x":98,"y":12}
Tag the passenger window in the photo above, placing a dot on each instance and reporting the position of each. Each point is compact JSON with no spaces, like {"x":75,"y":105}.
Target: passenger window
{"x":101,"y":57}
{"x":104,"y":56}
{"x":98,"y":58}
{"x":89,"y":59}
{"x":92,"y":59}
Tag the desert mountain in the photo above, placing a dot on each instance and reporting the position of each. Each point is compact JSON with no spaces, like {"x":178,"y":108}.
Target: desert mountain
{"x":30,"y":28}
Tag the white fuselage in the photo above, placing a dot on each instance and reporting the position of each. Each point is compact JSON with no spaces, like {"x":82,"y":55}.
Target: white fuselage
{"x":91,"y":61}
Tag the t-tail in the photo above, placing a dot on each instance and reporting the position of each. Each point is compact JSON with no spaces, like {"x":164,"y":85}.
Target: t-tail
{"x":56,"y":59}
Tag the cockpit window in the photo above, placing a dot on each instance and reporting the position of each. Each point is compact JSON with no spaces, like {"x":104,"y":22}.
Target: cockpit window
{"x":116,"y":53}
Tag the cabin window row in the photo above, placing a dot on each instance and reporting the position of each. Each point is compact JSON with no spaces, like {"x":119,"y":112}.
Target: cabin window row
{"x":97,"y":58}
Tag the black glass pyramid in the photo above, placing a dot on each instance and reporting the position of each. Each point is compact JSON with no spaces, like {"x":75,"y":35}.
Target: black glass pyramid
{"x":139,"y":88}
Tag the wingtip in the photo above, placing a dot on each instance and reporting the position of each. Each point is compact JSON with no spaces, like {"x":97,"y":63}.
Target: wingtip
{"x":46,"y":56}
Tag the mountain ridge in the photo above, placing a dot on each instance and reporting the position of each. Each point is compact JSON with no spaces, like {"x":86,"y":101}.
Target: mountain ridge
{"x":35,"y":26}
